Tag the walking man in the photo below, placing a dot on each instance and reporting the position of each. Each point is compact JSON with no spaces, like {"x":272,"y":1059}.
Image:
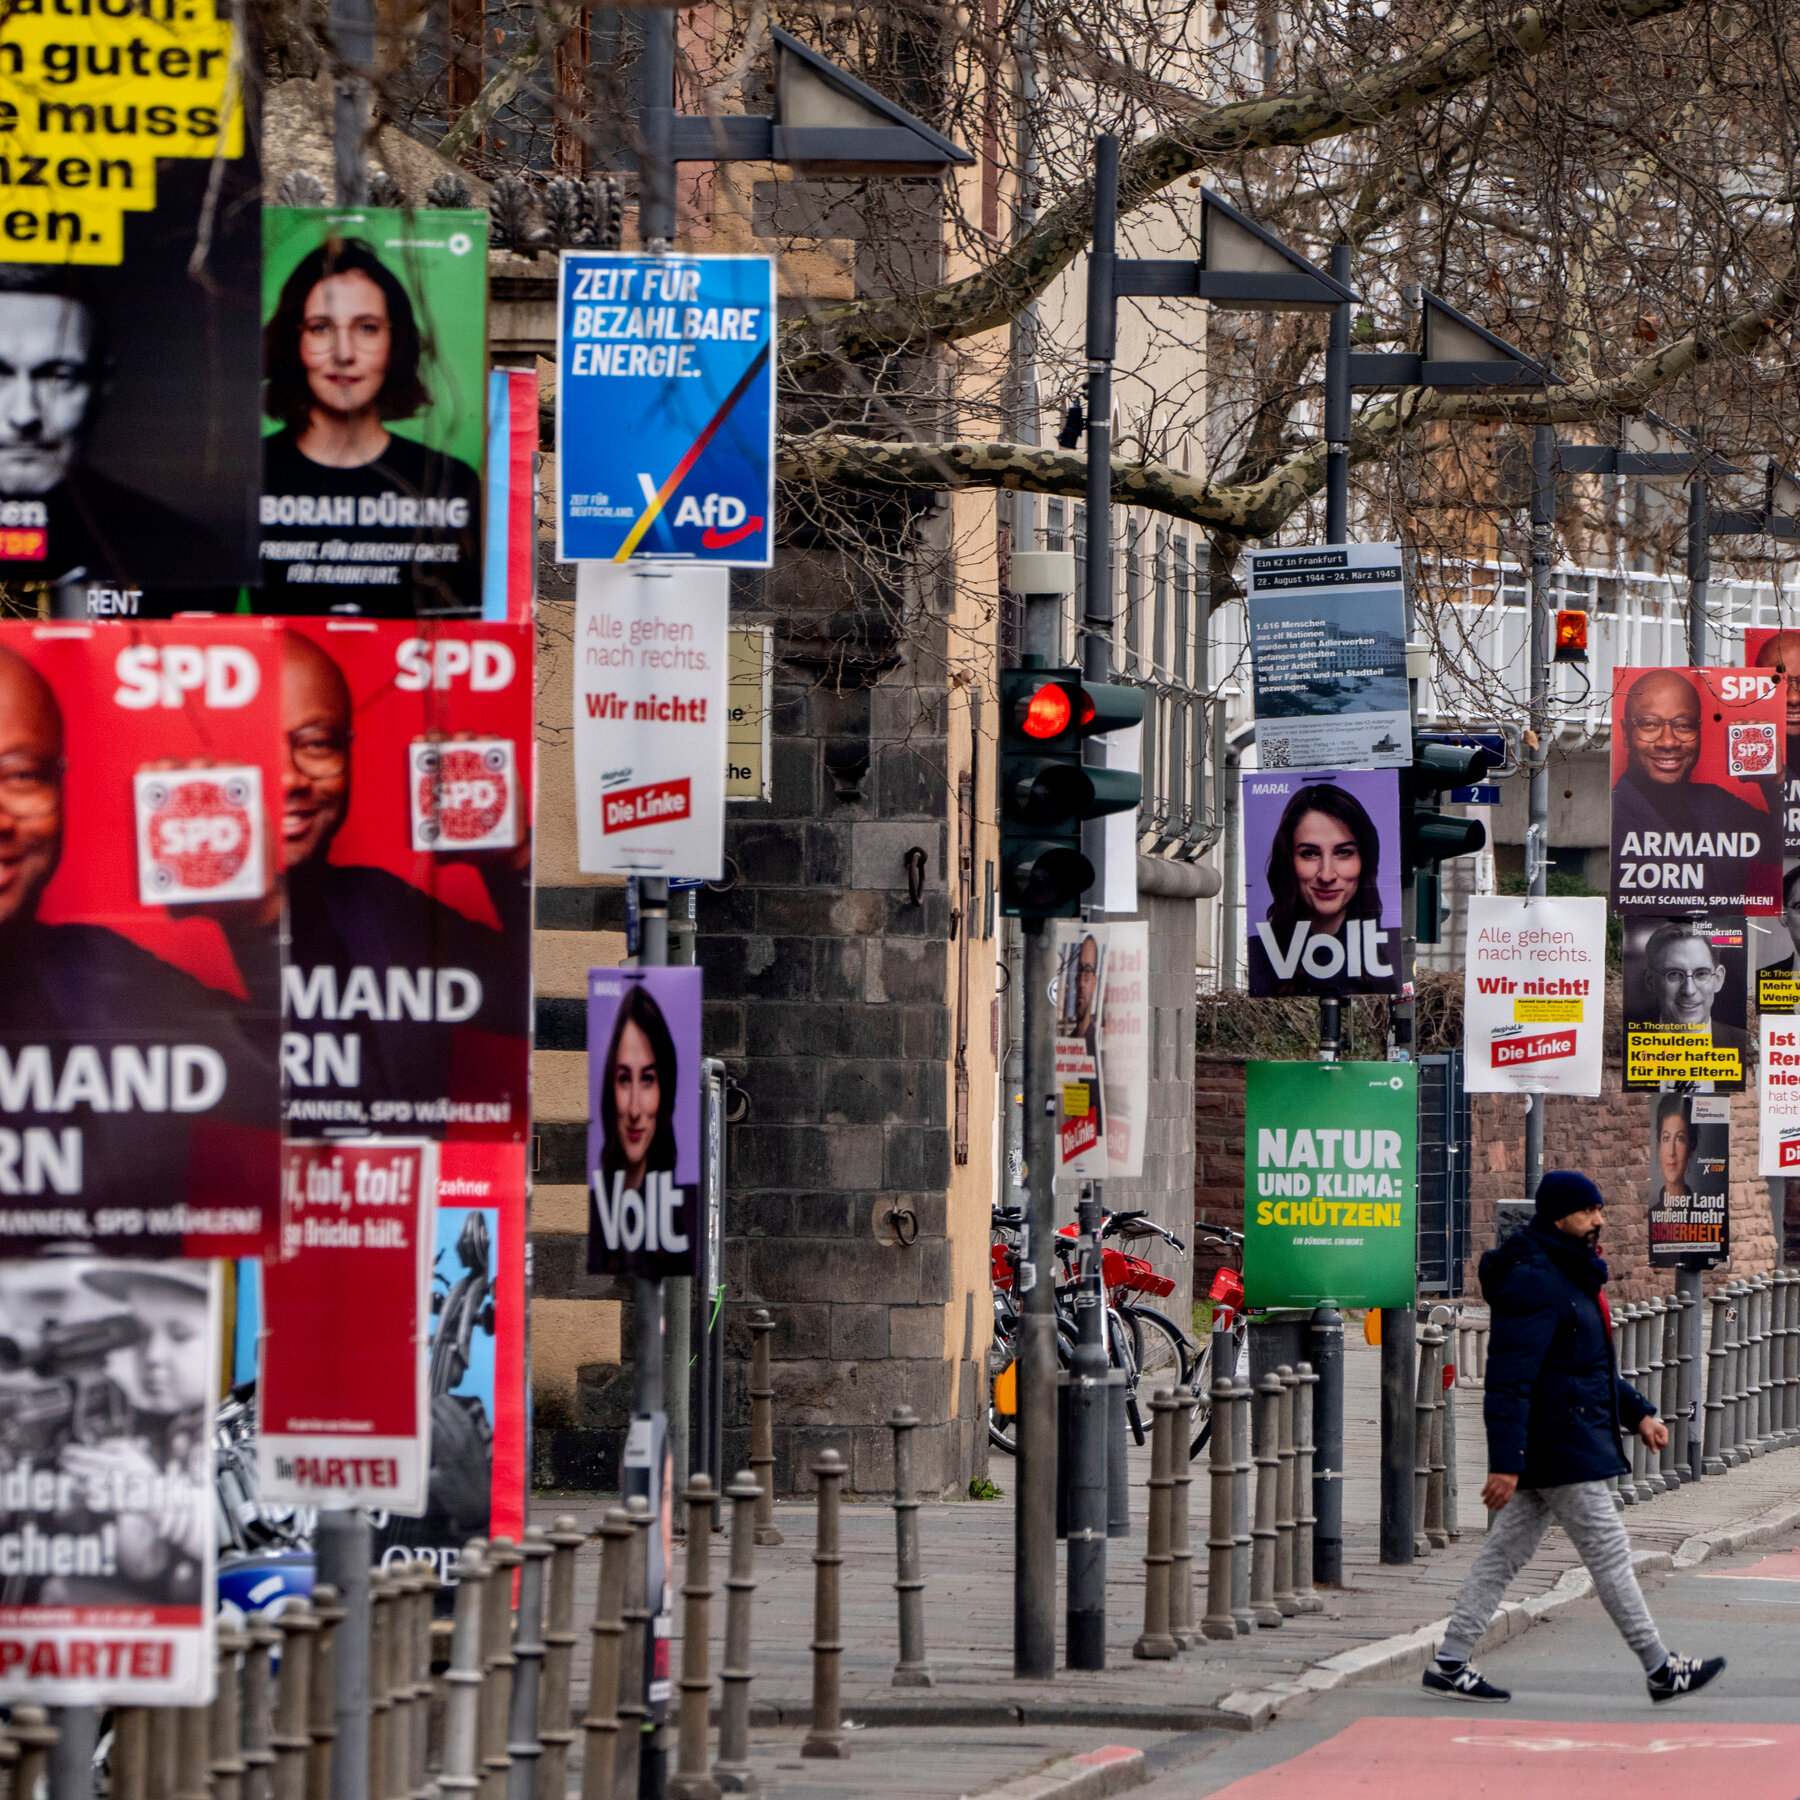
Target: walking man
{"x":1554,"y":1409}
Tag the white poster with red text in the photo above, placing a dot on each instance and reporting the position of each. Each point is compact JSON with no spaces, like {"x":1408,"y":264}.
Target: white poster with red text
{"x":342,"y":1384}
{"x":651,"y":670}
{"x":1778,"y":1104}
{"x":1534,"y":995}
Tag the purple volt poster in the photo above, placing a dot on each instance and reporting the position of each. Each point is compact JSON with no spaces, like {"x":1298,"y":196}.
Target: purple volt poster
{"x":1322,"y":881}
{"x":643,"y":1121}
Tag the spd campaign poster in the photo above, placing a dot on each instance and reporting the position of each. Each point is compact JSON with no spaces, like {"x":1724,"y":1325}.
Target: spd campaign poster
{"x":652,"y":708}
{"x":644,"y":1210}
{"x":1102,"y":1048}
{"x":1328,"y":654}
{"x":665,"y":408}
{"x":140,"y":926}
{"x":342,"y":1408}
{"x":407,"y":830}
{"x":1534,"y":995}
{"x":475,"y":1363}
{"x":1685,"y":983}
{"x":129,"y":245}
{"x":1777,"y":653}
{"x":108,"y":1515}
{"x":1778,"y":1105}
{"x":1689,"y":1189}
{"x":374,"y":389}
{"x":1330,"y":1183}
{"x":1696,"y":777}
{"x":1322,"y":881}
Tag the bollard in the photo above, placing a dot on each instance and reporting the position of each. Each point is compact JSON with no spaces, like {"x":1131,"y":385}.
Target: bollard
{"x":462,"y":1702}
{"x":691,"y":1781}
{"x":225,"y":1732}
{"x":1435,"y":1535}
{"x":600,"y":1726}
{"x":1650,"y":1359}
{"x":425,"y":1589}
{"x":555,"y":1731}
{"x":912,"y":1670}
{"x":1629,"y":1483}
{"x":1266,"y":1444}
{"x":1669,"y":1405}
{"x":31,"y":1730}
{"x":192,"y":1777}
{"x":523,"y":1747}
{"x":159,"y":1759}
{"x":1734,"y":1373}
{"x":130,"y":1760}
{"x":1746,"y":1383}
{"x":1765,"y":1301}
{"x":381,"y":1697}
{"x":1713,"y":1443}
{"x":321,"y":1698}
{"x":1430,"y":1341}
{"x":291,"y":1739}
{"x":825,"y":1735}
{"x":497,"y":1665}
{"x":1648,"y":1485}
{"x":1241,"y":1401}
{"x":1452,"y":1486}
{"x":1305,"y":1383}
{"x":258,"y":1713}
{"x":1154,"y":1642}
{"x":1622,"y":1491}
{"x":1778,"y":1340}
{"x":762,"y":1426}
{"x":636,"y":1652}
{"x":1791,"y":1362}
{"x":1680,"y":1422}
{"x":732,"y":1771}
{"x":1284,"y":1499}
{"x":1756,"y":1383}
{"x":1221,"y":1540}
{"x":1181,"y":1547}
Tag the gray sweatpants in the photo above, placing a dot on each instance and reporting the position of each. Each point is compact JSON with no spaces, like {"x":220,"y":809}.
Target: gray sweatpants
{"x":1585,"y":1510}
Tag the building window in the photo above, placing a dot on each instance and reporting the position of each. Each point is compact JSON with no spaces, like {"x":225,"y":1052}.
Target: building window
{"x":1053,"y":526}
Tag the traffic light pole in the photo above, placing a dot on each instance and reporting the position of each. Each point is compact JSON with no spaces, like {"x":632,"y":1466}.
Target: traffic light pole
{"x":1537,"y":816}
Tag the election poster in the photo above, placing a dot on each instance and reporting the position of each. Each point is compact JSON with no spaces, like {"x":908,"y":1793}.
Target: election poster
{"x":1689,"y":1188}
{"x":1778,"y":1105}
{"x":643,"y":1121}
{"x":652,"y":677}
{"x":129,"y":246}
{"x":407,"y":832}
{"x":343,"y":1412}
{"x":1778,"y":948}
{"x":1534,"y":995}
{"x":1330,"y":1183}
{"x":140,"y":922}
{"x":476,"y":1363}
{"x":1328,"y":657}
{"x":1684,"y":1002}
{"x":374,"y":386}
{"x":665,"y":409}
{"x":509,"y":555}
{"x":1322,"y":881}
{"x":108,"y":1516}
{"x":1777,"y":652}
{"x":1102,"y":1048}
{"x":1696,"y":776}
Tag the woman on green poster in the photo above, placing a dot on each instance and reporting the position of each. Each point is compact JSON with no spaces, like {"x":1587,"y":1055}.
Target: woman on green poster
{"x":357,"y":519}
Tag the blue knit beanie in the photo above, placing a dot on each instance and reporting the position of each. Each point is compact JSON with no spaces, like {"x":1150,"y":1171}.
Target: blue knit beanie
{"x":1565,"y":1191}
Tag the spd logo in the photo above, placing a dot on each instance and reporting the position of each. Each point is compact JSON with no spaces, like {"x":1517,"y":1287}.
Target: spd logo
{"x":464,"y":796}
{"x":199,"y":835}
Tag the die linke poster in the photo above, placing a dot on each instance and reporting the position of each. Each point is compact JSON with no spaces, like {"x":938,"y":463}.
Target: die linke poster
{"x":1534,"y":995}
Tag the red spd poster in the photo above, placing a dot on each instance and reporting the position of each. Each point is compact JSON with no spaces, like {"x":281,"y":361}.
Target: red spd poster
{"x":341,"y":1386}
{"x":140,"y":917}
{"x":406,"y":816}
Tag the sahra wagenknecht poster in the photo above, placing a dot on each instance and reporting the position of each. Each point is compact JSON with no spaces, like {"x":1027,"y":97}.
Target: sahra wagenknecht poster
{"x":665,"y":409}
{"x":1328,"y":652}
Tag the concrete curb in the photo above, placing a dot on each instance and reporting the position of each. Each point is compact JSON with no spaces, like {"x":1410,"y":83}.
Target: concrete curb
{"x":981,"y":1710}
{"x":1112,"y":1769}
{"x":1763,"y":1529}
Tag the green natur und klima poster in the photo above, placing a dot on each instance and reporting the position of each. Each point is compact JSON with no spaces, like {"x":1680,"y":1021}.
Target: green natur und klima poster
{"x":1330,"y":1188}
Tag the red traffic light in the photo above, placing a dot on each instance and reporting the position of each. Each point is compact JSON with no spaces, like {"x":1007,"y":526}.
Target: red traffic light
{"x":1046,"y":713}
{"x":1571,"y":637}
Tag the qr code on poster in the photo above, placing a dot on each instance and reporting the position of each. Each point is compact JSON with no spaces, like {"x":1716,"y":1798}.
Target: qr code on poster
{"x":1275,"y":753}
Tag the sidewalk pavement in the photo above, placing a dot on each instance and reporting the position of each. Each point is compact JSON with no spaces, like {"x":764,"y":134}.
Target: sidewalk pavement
{"x":967,"y":1557}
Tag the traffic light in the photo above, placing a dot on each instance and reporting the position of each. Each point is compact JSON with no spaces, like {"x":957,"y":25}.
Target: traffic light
{"x":1429,"y":833}
{"x":1046,"y":791}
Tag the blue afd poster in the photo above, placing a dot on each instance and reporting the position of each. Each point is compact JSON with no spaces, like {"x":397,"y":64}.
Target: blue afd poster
{"x":665,"y":408}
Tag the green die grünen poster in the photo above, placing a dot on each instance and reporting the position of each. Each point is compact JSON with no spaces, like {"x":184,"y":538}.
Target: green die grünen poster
{"x":1330,"y":1187}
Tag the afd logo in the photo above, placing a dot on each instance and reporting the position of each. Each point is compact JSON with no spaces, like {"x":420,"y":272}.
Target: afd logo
{"x":727,"y":520}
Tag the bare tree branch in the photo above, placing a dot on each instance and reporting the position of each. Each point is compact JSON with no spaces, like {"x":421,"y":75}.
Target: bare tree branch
{"x":551,"y":23}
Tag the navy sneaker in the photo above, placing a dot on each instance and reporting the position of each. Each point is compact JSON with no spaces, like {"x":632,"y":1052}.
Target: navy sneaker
{"x":1683,"y":1675}
{"x":1463,"y":1681}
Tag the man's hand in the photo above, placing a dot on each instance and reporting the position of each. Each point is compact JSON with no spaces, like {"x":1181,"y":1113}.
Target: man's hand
{"x":1498,"y":1490}
{"x":1654,"y":1432}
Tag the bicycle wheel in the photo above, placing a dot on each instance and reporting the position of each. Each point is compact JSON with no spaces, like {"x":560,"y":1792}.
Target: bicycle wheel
{"x":1158,"y":1348}
{"x":1003,"y":1428}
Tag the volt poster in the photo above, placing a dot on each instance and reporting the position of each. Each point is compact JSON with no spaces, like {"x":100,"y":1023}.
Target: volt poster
{"x":665,"y":409}
{"x":1328,"y":654}
{"x":652,"y":702}
{"x":1331,"y":1154}
{"x":1534,"y":995}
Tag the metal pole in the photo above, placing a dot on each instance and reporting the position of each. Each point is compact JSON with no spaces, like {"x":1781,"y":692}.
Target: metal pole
{"x":1537,"y":827}
{"x":72,"y":1756}
{"x":1085,"y":1627}
{"x":656,"y":162}
{"x":1102,"y":344}
{"x":1034,"y":1506}
{"x":825,"y":1736}
{"x":1337,"y":409}
{"x":1327,"y":1357}
{"x":912,"y":1670}
{"x":1699,"y":571}
{"x":353,"y":40}
{"x":344,"y":1547}
{"x":1399,"y":1329}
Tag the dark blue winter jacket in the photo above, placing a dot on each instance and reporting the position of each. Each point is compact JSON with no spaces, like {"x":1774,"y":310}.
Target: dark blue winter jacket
{"x":1555,"y":1404}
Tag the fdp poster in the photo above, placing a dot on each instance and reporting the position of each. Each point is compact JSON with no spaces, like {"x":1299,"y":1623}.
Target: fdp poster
{"x":1330,"y":1178}
{"x":407,"y":831}
{"x":643,"y":1121}
{"x":1690,"y":1178}
{"x":1696,"y":777}
{"x":1328,"y":655}
{"x":1779,"y":1102}
{"x":1102,"y":1048}
{"x":1684,"y":1002}
{"x":343,"y":1415}
{"x":665,"y":408}
{"x":1534,"y":995}
{"x":108,"y":1515}
{"x":374,"y":378}
{"x":652,"y":678}
{"x":140,"y":920}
